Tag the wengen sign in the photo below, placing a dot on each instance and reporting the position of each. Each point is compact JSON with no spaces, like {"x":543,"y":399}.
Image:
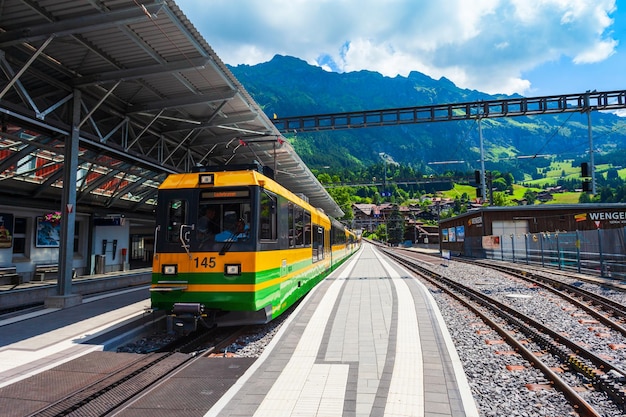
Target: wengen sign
{"x":613,"y":217}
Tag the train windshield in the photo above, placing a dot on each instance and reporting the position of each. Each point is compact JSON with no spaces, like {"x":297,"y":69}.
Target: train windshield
{"x":223,"y":218}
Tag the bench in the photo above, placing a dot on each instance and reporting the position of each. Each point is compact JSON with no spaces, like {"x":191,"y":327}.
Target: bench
{"x":42,"y":270}
{"x":9,"y":275}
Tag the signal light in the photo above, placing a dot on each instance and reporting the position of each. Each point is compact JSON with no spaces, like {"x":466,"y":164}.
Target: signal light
{"x":477,"y":177}
{"x":584,"y":169}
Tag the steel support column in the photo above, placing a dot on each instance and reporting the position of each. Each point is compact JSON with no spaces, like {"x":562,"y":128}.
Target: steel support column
{"x":592,"y":166}
{"x":483,"y":173}
{"x":68,"y":210}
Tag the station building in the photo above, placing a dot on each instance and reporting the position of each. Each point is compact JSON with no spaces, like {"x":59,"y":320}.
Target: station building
{"x":583,"y":236}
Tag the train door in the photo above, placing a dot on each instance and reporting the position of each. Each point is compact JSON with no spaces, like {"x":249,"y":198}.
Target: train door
{"x":327,"y":243}
{"x":318,"y":243}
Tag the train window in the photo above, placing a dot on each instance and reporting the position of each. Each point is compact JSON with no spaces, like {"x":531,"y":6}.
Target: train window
{"x":19,"y":237}
{"x":338,"y":234}
{"x":267,"y":216}
{"x":298,"y":217}
{"x":176,"y":217}
{"x":307,"y":229}
{"x":223,"y":221}
{"x":208,"y":224}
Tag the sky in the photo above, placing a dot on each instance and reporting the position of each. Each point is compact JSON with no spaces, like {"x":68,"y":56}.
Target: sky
{"x":530,"y":47}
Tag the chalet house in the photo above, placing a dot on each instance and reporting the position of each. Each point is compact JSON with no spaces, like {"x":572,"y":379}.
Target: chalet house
{"x":368,"y":217}
{"x":363,"y":217}
{"x":544,"y":196}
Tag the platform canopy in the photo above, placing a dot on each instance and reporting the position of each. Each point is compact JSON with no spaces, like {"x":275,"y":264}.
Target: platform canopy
{"x":155,"y":99}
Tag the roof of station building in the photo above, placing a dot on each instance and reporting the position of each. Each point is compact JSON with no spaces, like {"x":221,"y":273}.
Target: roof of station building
{"x":155,"y":99}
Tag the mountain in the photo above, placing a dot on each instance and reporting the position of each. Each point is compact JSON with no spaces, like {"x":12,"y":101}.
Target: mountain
{"x":288,"y":86}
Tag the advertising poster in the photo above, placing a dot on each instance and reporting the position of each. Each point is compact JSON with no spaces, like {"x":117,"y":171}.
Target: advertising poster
{"x":491,"y":242}
{"x":48,"y":233}
{"x":460,"y":233}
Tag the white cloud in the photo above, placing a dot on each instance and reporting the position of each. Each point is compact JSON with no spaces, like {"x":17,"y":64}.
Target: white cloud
{"x":483,"y":45}
{"x":596,"y":53}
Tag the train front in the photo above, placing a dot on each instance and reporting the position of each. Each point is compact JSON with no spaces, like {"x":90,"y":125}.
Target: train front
{"x":206,"y":239}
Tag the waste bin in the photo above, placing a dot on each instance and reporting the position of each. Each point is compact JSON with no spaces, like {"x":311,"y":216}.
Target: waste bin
{"x":100,"y":260}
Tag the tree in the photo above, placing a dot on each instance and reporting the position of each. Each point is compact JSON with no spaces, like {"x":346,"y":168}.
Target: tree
{"x":584,"y":198}
{"x":381,"y":232}
{"x":530,"y":196}
{"x":606,"y":195}
{"x":499,"y":184}
{"x":499,"y":199}
{"x":508,"y":177}
{"x":324,"y":178}
{"x":395,"y":225}
{"x":343,"y":198}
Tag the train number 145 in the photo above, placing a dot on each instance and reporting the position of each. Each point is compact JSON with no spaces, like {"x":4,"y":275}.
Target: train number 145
{"x":205,"y":262}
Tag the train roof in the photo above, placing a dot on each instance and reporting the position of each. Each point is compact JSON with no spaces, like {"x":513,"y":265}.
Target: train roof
{"x":243,"y":176}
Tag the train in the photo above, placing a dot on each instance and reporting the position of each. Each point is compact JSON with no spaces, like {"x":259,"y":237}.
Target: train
{"x":233,"y":247}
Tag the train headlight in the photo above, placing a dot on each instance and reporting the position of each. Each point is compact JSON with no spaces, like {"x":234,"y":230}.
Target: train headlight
{"x":169,"y":269}
{"x":232,"y":269}
{"x":206,"y":179}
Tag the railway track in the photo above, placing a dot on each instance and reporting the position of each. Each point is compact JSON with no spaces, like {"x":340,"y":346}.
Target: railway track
{"x":613,"y":308}
{"x":607,"y":311}
{"x":519,"y":329}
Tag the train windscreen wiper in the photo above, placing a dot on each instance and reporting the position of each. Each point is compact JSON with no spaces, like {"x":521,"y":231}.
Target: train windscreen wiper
{"x":229,"y":242}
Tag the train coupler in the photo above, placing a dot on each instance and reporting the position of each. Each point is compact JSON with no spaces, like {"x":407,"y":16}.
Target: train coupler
{"x":185,"y":317}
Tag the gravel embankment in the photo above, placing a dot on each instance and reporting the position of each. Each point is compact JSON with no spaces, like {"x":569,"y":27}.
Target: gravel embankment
{"x":498,"y":390}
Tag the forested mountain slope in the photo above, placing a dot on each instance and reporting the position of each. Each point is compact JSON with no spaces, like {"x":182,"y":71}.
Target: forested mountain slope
{"x":288,"y":86}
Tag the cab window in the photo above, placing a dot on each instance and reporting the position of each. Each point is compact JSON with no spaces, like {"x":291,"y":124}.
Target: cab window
{"x":176,"y":217}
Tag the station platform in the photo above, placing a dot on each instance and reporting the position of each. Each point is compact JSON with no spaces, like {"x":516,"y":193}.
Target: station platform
{"x":37,"y":292}
{"x":367,"y":341}
{"x":34,"y":342}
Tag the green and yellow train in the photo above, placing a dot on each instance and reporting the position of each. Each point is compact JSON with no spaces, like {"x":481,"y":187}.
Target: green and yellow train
{"x":232,"y":246}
